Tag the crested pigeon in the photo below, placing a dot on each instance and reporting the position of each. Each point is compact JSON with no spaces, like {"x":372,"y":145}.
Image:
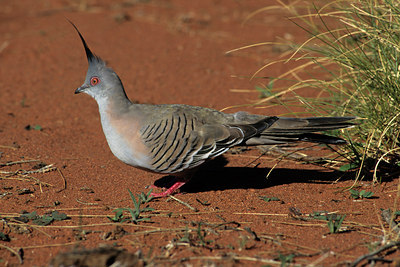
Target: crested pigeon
{"x":175,"y":139}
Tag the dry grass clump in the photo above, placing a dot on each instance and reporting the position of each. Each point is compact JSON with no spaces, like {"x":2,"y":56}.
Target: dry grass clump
{"x":352,"y":58}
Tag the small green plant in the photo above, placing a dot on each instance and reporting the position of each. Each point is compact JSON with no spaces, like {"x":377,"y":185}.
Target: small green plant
{"x":335,"y":222}
{"x":268,"y":199}
{"x":349,"y":166}
{"x":266,"y":90}
{"x":136,"y":211}
{"x":186,"y":237}
{"x":34,"y":127}
{"x":204,"y":203}
{"x":242,"y":242}
{"x":285,"y":259}
{"x":201,"y":235}
{"x":42,"y":220}
{"x":320,"y":215}
{"x":195,"y":237}
{"x":360,"y":194}
{"x":4,"y":237}
{"x":231,"y":247}
{"x":118,"y":216}
{"x":143,"y":198}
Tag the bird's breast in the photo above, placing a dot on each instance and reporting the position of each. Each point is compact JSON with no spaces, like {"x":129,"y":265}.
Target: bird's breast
{"x":123,"y":138}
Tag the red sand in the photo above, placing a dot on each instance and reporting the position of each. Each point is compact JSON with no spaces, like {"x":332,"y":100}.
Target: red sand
{"x":164,"y":52}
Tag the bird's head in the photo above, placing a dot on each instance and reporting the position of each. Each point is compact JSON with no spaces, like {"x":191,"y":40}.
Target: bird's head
{"x":101,"y":81}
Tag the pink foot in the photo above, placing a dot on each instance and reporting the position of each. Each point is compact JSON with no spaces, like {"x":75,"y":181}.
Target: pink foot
{"x":169,"y":191}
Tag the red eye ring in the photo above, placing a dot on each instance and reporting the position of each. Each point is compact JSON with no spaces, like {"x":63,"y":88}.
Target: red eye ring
{"x":94,"y":81}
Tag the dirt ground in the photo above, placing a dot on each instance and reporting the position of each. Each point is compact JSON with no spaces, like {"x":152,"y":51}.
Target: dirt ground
{"x":165,"y":52}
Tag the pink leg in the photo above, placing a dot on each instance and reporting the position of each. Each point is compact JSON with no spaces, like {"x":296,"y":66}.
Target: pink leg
{"x":169,"y":191}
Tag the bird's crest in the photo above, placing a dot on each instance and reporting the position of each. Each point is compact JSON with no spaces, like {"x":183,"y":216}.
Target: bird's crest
{"x":90,"y":56}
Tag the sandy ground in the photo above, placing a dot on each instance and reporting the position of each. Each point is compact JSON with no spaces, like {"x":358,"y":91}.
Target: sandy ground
{"x":165,"y":52}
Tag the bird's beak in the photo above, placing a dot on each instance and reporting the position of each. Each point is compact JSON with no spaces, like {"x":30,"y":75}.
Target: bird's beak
{"x":81,"y":89}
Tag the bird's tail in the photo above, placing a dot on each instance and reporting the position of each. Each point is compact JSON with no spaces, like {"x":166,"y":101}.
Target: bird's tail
{"x":286,"y":130}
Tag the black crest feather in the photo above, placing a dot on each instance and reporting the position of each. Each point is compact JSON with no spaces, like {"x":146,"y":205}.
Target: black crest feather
{"x":90,"y":56}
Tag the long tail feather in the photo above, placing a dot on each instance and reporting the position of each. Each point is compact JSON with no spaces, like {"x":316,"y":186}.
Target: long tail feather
{"x":286,"y":130}
{"x":309,"y":125}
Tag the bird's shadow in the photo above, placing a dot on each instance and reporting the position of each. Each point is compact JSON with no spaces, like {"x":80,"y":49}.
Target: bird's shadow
{"x":214,"y":176}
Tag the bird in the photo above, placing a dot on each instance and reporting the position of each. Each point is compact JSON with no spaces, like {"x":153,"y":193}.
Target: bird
{"x":175,"y":139}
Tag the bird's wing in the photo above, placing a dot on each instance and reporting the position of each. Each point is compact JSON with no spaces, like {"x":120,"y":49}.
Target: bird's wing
{"x":181,"y":141}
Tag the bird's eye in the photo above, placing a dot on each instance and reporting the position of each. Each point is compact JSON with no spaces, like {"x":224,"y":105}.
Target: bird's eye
{"x":94,"y":81}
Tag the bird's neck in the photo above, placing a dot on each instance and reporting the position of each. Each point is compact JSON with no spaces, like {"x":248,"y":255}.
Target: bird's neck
{"x":114,"y":104}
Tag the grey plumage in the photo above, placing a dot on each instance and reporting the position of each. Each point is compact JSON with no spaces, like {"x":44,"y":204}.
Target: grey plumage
{"x":177,"y":138}
{"x":187,"y":137}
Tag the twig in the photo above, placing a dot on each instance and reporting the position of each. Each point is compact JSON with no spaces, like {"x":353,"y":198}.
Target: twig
{"x":183,"y":203}
{"x":36,"y":227}
{"x":24,"y":175}
{"x":10,"y":147}
{"x":244,"y":258}
{"x":87,"y":225}
{"x":303,"y":224}
{"x":52,"y":245}
{"x":388,"y":217}
{"x":260,"y":214}
{"x":321,"y":258}
{"x":369,"y":255}
{"x":163,"y":230}
{"x":13,"y":252}
{"x":80,"y":208}
{"x":18,"y":162}
{"x":47,"y":168}
{"x":12,"y":215}
{"x":64,"y":180}
{"x":86,"y":203}
{"x":290,"y":243}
